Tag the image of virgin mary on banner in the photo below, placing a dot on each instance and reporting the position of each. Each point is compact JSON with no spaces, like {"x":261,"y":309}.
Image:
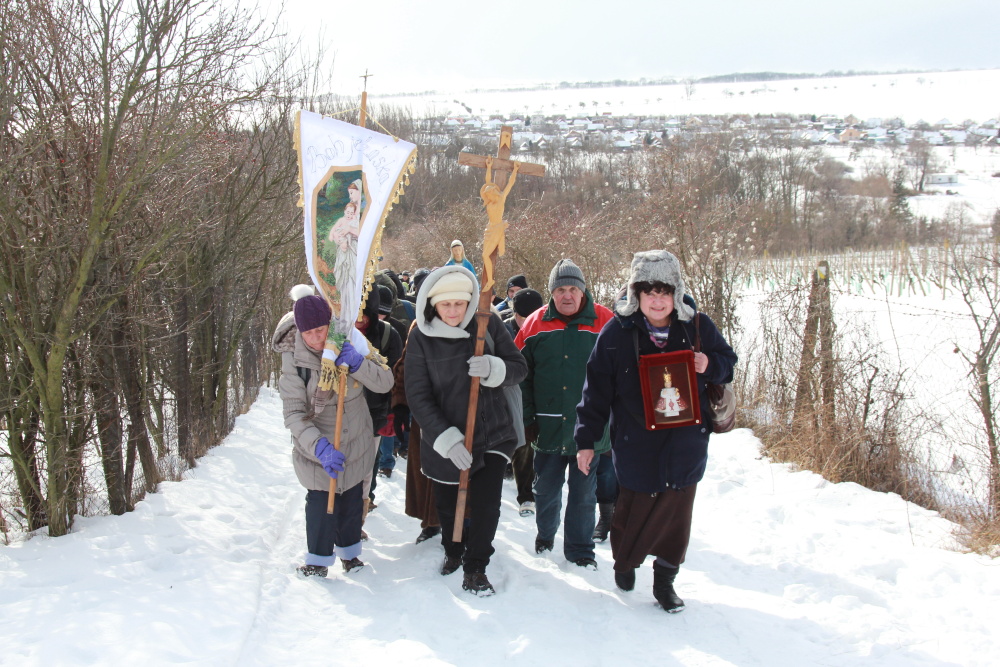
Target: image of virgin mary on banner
{"x":350,"y":178}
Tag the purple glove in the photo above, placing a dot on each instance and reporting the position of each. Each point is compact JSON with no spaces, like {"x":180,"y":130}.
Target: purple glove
{"x":350,"y":357}
{"x":331,"y":459}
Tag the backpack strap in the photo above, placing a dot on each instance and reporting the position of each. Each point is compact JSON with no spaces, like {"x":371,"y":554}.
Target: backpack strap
{"x":386,"y":332}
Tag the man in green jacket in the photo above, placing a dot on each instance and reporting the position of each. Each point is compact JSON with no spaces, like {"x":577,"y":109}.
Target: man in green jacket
{"x":556,"y":341}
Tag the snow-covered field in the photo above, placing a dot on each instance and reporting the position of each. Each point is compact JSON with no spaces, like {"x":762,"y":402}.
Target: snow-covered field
{"x":927,"y":96}
{"x":977,"y":170}
{"x":784,"y":569}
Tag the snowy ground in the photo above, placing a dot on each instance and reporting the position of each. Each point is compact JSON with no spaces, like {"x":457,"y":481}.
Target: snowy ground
{"x":928,"y":96}
{"x":784,"y":569}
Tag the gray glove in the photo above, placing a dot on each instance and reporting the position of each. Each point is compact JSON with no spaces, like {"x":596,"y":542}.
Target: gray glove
{"x":451,"y":444}
{"x":460,"y":456}
{"x":491,"y":369}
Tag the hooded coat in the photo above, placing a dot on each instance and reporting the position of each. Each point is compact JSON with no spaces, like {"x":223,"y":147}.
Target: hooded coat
{"x":297,"y":396}
{"x":437,"y":383}
{"x":649,"y":461}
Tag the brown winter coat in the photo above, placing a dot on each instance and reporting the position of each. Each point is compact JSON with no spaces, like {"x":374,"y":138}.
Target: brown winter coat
{"x":356,"y":434}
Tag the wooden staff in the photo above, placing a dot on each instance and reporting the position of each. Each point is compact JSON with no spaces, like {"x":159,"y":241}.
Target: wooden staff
{"x":482,"y":319}
{"x":341,"y":388}
{"x":498,"y":167}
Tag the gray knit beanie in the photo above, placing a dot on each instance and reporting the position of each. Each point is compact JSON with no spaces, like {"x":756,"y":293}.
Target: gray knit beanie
{"x":565,"y":272}
{"x":655,"y":266}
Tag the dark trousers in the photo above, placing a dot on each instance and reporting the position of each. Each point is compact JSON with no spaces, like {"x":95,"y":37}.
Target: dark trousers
{"x":482,"y":514}
{"x":404,"y":440}
{"x":607,"y":480}
{"x":341,"y":529}
{"x":375,"y":466}
{"x":524,"y":473}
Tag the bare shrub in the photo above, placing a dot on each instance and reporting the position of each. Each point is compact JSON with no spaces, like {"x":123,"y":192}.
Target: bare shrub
{"x":866,"y":443}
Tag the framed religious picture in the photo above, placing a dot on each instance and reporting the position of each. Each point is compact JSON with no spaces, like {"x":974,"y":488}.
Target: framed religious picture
{"x":669,"y":390}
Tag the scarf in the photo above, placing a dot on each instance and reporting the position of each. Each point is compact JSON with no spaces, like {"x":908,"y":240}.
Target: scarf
{"x":657,"y":334}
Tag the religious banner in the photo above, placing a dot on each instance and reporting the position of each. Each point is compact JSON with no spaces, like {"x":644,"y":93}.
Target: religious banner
{"x":669,"y":390}
{"x":350,"y":177}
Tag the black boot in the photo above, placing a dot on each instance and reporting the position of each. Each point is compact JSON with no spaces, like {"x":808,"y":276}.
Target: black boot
{"x":663,"y":588}
{"x":625,"y":579}
{"x":603,"y":527}
{"x":427,"y":533}
{"x":476,"y":583}
{"x":451,"y":564}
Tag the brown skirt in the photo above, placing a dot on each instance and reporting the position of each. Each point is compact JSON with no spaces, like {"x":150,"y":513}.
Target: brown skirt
{"x":419,"y":489}
{"x":657,"y":524}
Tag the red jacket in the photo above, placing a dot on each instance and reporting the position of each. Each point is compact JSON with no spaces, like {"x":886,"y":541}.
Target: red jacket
{"x":557,"y":352}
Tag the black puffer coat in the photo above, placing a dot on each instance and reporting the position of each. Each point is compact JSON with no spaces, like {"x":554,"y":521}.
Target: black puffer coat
{"x":437,"y":385}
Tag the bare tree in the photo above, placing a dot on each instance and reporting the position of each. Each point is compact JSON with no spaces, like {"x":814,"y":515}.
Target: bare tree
{"x":975,"y":278}
{"x":101,"y":99}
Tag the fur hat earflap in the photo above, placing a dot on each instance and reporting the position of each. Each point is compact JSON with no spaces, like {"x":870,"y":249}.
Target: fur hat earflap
{"x":655,"y":266}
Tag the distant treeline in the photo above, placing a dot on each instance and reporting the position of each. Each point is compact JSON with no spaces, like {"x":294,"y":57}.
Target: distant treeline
{"x":739,"y":77}
{"x":750,"y":77}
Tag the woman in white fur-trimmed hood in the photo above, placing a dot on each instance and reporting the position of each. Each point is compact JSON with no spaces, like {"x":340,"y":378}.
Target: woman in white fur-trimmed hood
{"x":438,"y":368}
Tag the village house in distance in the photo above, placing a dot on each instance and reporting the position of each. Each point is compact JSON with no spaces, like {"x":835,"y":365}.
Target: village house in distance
{"x":605,"y":132}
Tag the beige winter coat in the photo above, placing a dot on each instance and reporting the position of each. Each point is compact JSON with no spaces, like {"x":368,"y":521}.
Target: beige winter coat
{"x":356,"y":441}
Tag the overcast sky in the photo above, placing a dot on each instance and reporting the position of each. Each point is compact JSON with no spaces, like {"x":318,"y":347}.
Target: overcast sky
{"x":416,"y":45}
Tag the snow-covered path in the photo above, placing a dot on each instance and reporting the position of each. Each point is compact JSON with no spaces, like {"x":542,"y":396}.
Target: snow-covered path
{"x":784,"y":569}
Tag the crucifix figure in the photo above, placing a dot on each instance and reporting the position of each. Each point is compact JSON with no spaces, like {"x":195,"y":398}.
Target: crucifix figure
{"x":494,"y":200}
{"x":494,"y":193}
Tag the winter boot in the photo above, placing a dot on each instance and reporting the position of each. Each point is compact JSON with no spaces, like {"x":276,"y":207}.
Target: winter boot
{"x":450,"y":564}
{"x":603,"y":527}
{"x":311,"y":571}
{"x":427,"y":533}
{"x":352,"y":565}
{"x":625,"y":580}
{"x":477,"y":584}
{"x":663,"y":588}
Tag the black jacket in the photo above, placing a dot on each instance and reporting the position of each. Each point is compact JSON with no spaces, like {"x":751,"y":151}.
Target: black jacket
{"x":437,"y":391}
{"x":383,"y":338}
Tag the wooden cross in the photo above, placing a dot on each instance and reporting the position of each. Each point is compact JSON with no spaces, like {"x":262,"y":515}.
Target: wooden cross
{"x":363,"y":116}
{"x":365,"y":77}
{"x":499,"y":168}
{"x":494,"y":194}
